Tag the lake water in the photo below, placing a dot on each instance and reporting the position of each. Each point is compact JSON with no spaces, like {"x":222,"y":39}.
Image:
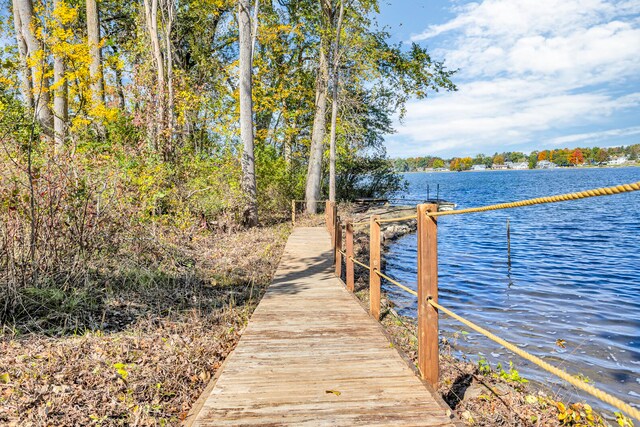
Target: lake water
{"x":574,"y":275}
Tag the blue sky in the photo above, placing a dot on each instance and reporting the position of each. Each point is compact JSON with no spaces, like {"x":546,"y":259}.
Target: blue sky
{"x":534,"y":74}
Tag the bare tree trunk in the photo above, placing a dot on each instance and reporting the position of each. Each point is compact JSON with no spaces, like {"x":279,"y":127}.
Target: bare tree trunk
{"x":334,"y":108}
{"x":151,"y":17}
{"x":288,"y":142}
{"x":95,"y":67}
{"x":26,"y":86}
{"x":40,"y":82}
{"x":168,"y":17}
{"x":246,"y":116}
{"x":254,"y":32}
{"x":60,"y":98}
{"x":119,"y":86}
{"x":314,"y":171}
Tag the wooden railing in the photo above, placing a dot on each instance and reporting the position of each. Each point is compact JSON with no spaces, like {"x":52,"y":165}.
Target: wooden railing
{"x":428,"y":353}
{"x":427,"y":279}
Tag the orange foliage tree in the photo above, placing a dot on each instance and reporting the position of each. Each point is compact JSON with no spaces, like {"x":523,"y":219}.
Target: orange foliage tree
{"x":576,"y":157}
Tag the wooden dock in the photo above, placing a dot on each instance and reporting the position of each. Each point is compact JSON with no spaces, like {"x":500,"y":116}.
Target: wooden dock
{"x":311,"y":355}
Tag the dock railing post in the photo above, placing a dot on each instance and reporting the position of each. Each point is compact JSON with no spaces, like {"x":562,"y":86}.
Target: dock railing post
{"x":327,"y":211}
{"x":349,"y":256}
{"x":293,"y":213}
{"x":338,"y":248}
{"x":334,"y":216}
{"x":428,"y":353}
{"x":374,"y":264}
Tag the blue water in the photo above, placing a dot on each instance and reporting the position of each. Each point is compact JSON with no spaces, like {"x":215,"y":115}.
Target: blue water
{"x":574,"y":274}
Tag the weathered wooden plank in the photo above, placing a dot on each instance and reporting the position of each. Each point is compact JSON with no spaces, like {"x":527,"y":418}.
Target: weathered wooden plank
{"x":307,"y":339}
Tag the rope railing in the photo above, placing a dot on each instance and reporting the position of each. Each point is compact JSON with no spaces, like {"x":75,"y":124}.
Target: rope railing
{"x":361,"y":264}
{"x":384,"y":276}
{"x":399,"y":219}
{"x":385,"y":220}
{"x":605,"y":397}
{"x":596,"y":192}
{"x":427,"y":248}
{"x":395,"y":282}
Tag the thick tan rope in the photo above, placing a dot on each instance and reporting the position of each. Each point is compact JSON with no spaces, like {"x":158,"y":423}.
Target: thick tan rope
{"x":359,"y":263}
{"x":402,"y":218}
{"x":605,"y":397}
{"x":607,"y":191}
{"x":398,"y":284}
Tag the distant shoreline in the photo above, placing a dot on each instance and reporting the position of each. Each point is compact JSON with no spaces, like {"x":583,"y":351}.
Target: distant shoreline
{"x":637,"y":165}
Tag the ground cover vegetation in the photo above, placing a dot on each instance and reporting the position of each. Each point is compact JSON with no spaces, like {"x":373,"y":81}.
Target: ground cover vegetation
{"x":567,"y":157}
{"x":148,"y":155}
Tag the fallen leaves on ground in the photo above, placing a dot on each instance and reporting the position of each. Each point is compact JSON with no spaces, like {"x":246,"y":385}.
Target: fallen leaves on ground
{"x":151,"y":369}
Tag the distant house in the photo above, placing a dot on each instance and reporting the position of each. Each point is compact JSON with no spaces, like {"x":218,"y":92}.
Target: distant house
{"x":479,"y":167}
{"x":495,"y":166}
{"x":509,"y":165}
{"x":618,"y":161}
{"x":521,"y":165}
{"x":545,"y":164}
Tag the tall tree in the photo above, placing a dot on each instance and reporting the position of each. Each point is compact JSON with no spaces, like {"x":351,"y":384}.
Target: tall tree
{"x":26,"y":86}
{"x":60,"y":93}
{"x":95,"y":67}
{"x":151,"y":19}
{"x":40,"y":81}
{"x":250,"y":215}
{"x":314,"y":171}
{"x":334,"y":106}
{"x":168,"y":18}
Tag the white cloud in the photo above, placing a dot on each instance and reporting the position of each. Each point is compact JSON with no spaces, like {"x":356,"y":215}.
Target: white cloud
{"x":593,"y":136}
{"x":527,"y":66}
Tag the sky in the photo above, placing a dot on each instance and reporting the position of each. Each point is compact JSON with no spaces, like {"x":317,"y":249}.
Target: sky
{"x":533,"y":75}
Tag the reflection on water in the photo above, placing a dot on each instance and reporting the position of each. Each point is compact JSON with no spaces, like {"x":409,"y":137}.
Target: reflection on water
{"x":574,"y":274}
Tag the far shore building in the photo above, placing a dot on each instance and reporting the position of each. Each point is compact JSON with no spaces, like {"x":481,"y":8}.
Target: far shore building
{"x":618,"y":161}
{"x":545,"y":164}
{"x":479,"y":167}
{"x":520,"y":165}
{"x":499,"y":167}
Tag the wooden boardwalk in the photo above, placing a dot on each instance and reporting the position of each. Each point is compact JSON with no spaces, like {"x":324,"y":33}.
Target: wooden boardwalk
{"x":311,"y":355}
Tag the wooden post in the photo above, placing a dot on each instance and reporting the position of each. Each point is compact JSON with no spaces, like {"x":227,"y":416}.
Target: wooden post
{"x":508,"y":243}
{"x":334,"y":214}
{"x":338,"y":248}
{"x":293,"y":213}
{"x":349,"y":252}
{"x":374,"y":263}
{"x":428,"y":353}
{"x":327,"y":221}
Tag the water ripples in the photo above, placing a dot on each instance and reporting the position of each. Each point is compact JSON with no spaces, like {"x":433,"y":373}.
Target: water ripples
{"x":574,"y":273}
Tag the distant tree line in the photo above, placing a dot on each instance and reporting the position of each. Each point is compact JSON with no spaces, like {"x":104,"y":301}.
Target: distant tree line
{"x":559,"y":157}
